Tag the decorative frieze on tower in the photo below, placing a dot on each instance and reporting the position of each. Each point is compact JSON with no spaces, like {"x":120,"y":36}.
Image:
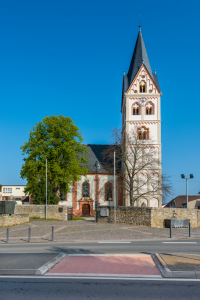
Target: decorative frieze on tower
{"x":141,"y":115}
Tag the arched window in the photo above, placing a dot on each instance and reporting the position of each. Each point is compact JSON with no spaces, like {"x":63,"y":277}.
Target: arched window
{"x":86,"y":190}
{"x":108,"y":191}
{"x":136,"y":109}
{"x":142,"y":86}
{"x":149,"y":108}
{"x":143,"y":133}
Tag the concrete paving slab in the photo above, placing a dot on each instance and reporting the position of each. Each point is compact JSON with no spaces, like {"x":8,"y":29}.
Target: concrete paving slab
{"x":130,"y":265}
{"x":178,"y":265}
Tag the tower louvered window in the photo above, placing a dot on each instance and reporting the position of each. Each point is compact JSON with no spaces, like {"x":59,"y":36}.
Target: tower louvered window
{"x":143,"y":133}
{"x":142,"y":86}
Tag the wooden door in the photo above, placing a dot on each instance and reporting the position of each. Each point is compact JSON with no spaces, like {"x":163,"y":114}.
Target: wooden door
{"x":86,"y":210}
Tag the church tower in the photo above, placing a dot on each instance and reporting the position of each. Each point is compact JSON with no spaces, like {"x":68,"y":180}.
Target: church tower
{"x":141,"y":114}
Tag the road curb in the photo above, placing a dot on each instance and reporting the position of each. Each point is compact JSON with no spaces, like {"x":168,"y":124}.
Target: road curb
{"x":17,"y":271}
{"x":40,"y":271}
{"x":43,"y":269}
{"x":167,"y":273}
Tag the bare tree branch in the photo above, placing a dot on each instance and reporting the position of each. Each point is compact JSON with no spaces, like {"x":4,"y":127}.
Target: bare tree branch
{"x":137,"y":164}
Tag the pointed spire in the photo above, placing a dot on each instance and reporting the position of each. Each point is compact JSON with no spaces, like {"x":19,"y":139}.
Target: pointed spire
{"x":139,"y":58}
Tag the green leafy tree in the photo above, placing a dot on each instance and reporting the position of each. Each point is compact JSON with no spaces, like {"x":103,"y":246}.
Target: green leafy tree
{"x":39,"y":193}
{"x":58,"y":140}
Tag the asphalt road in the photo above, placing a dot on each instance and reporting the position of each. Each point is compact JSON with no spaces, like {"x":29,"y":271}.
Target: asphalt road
{"x":190,"y":246}
{"x":51,"y":289}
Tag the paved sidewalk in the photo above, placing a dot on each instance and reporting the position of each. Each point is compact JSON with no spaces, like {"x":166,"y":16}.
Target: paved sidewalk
{"x":135,"y":265}
{"x":178,"y":265}
{"x":72,"y":231}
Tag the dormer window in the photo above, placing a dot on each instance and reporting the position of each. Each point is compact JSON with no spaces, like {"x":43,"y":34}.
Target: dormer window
{"x":142,"y":86}
{"x":150,"y":108}
{"x":143,"y":133}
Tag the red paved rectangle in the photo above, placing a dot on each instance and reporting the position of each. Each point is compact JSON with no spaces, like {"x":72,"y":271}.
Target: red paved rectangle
{"x":142,"y":265}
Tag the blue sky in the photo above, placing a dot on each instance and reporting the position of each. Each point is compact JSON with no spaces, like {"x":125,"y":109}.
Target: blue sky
{"x":59,"y":57}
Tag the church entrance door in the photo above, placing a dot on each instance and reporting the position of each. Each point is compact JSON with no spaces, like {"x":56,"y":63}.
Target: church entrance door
{"x":86,"y":210}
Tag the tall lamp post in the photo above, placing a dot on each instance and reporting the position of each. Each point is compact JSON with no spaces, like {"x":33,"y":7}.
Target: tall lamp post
{"x":183,"y":177}
{"x":97,"y":165}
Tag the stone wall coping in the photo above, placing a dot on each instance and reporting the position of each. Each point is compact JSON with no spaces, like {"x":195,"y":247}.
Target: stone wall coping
{"x":39,"y":205}
{"x":147,"y":208}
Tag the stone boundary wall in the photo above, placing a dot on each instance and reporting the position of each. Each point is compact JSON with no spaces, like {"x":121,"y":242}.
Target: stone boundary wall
{"x":149,"y":216}
{"x":14,"y":219}
{"x":128,"y":215}
{"x":159,"y":214}
{"x":58,"y":212}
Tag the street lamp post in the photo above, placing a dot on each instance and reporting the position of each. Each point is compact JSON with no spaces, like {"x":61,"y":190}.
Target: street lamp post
{"x":183,"y":177}
{"x":97,"y":165}
{"x":46,"y":194}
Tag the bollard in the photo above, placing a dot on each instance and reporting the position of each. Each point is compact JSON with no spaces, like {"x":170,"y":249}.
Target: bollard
{"x":189,"y":230}
{"x":7,"y":235}
{"x":170,"y":230}
{"x":52,"y":233}
{"x":29,"y":234}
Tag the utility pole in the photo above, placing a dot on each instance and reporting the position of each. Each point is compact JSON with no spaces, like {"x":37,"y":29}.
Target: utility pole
{"x":46,"y":193}
{"x":114,"y":192}
{"x":96,"y":202}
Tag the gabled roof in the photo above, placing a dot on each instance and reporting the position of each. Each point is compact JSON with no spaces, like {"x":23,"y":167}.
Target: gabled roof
{"x":180,"y":200}
{"x":95,"y":154}
{"x":139,"y":58}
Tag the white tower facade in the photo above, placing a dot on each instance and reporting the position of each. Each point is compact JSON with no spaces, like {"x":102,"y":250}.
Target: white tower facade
{"x":141,"y":115}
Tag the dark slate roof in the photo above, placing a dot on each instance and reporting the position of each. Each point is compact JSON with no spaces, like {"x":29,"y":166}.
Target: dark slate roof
{"x":139,"y":58}
{"x":125,"y":83}
{"x":95,"y":154}
{"x":179,"y":200}
{"x":155,"y":79}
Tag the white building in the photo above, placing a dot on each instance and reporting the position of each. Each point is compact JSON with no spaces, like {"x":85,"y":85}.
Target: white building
{"x":12,"y":192}
{"x":141,"y":115}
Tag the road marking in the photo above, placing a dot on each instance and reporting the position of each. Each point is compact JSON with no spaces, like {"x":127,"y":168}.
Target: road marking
{"x":100,"y":278}
{"x":114,"y":242}
{"x":104,"y":275}
{"x":179,"y":242}
{"x":120,"y":254}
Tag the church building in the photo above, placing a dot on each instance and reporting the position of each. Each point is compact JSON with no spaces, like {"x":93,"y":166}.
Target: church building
{"x":140,"y":110}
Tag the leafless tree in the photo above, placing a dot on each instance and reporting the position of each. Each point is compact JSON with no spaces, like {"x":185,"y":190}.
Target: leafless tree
{"x":138,"y":166}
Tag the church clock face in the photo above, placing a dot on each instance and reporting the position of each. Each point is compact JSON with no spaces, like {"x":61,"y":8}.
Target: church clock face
{"x":143,"y":100}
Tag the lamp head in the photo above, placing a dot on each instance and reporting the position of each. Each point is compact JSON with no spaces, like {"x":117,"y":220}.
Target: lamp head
{"x":97,"y":165}
{"x":191,"y":176}
{"x":182,"y":176}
